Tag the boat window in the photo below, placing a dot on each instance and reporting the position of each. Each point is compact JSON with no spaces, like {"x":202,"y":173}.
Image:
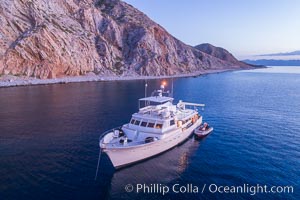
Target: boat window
{"x":158,"y":126}
{"x":132,"y":121}
{"x":144,"y":124}
{"x":150,"y":125}
{"x":137,"y":122}
{"x":172,"y":122}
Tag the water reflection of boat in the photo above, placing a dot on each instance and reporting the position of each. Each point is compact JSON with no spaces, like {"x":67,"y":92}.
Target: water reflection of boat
{"x":160,"y":169}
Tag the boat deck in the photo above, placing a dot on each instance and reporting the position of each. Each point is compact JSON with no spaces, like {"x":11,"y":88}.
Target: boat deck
{"x":181,"y":114}
{"x":115,"y":143}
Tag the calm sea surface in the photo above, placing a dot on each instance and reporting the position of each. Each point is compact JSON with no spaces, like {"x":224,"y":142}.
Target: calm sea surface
{"x":49,"y":138}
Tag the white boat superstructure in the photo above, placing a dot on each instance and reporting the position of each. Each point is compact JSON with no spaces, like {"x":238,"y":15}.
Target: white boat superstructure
{"x":158,"y":126}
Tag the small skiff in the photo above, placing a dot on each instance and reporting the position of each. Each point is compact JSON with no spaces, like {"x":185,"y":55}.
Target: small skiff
{"x":203,"y":130}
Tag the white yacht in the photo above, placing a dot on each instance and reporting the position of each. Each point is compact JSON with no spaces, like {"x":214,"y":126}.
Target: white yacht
{"x":156,"y":127}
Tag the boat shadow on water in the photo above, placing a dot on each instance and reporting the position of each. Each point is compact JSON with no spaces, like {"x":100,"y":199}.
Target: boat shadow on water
{"x":161,"y":169}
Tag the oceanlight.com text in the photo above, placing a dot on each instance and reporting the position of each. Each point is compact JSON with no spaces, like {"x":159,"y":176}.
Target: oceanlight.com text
{"x":250,"y":189}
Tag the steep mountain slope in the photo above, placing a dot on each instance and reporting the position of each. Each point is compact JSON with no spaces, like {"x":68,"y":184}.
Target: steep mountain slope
{"x":48,"y":39}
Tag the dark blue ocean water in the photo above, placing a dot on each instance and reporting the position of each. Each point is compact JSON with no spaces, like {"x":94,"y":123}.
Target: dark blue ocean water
{"x":49,"y":138}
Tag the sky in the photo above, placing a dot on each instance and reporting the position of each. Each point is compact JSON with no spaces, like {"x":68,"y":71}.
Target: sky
{"x":245,"y":28}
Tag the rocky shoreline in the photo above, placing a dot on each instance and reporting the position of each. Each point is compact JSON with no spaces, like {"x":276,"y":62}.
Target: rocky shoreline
{"x":12,"y":81}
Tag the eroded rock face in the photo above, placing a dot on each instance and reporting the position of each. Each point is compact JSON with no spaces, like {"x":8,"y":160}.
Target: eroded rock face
{"x":48,"y":39}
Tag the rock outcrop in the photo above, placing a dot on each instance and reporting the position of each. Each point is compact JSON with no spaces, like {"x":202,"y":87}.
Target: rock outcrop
{"x":221,"y":53}
{"x":48,"y":39}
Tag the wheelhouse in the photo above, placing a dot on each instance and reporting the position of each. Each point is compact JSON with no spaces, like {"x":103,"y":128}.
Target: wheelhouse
{"x":148,"y":123}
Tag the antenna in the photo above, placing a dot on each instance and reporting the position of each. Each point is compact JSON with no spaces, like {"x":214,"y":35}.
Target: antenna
{"x":172,"y":87}
{"x":146,"y":85}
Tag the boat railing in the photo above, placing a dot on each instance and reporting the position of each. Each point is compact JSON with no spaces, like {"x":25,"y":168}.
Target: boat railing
{"x":108,"y":131}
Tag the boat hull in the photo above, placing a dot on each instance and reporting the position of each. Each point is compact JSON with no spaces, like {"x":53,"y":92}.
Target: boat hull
{"x":121,"y":157}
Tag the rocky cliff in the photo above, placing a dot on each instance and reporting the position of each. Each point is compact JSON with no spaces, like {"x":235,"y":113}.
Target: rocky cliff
{"x":48,"y":39}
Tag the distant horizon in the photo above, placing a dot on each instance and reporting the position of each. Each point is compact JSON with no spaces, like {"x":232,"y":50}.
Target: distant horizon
{"x":261,"y":57}
{"x":245,"y":29}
